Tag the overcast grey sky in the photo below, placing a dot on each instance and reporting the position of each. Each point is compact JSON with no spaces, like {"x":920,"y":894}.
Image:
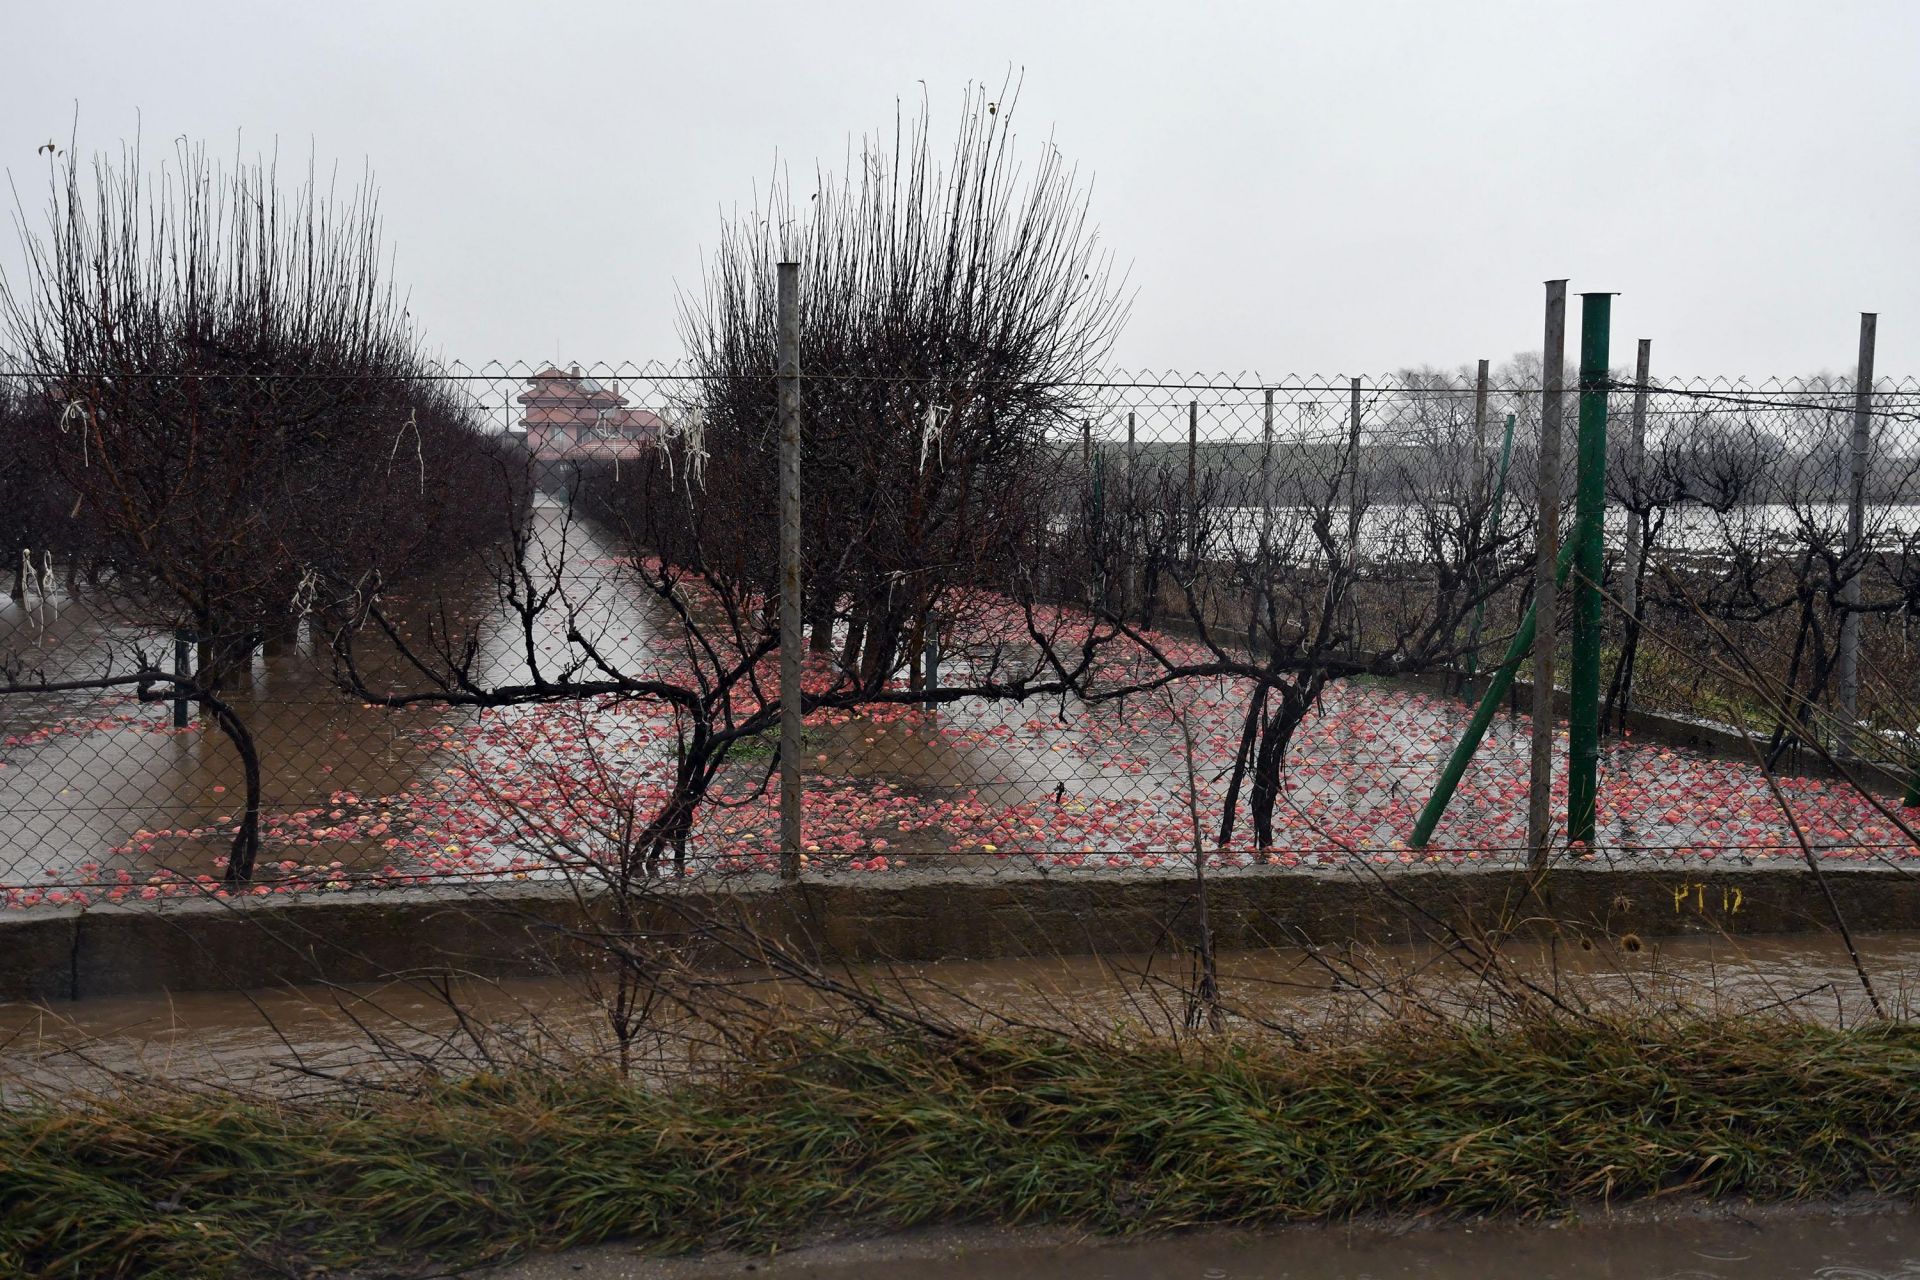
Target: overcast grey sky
{"x":1297,"y":188}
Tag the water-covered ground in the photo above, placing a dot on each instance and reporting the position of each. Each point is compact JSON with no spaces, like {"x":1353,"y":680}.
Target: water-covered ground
{"x":103,"y":799}
{"x":1687,"y":1242}
{"x":303,"y":1039}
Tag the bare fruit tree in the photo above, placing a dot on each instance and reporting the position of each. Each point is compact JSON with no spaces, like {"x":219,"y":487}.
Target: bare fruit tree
{"x":949,"y":309}
{"x":237,"y":391}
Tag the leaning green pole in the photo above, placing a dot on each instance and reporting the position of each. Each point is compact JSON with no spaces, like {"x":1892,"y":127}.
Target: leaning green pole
{"x":1483,"y":714}
{"x":1493,"y":532}
{"x":1589,"y":515}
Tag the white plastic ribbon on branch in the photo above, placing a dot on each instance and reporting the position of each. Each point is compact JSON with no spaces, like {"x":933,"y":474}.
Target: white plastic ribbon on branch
{"x":76,"y":411}
{"x":413,"y":422}
{"x":690,"y":428}
{"x":37,"y":583}
{"x":933,"y":422}
{"x":303,"y":592}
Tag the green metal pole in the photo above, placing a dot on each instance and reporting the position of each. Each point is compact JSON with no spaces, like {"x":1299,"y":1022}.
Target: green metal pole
{"x":1483,"y":714}
{"x":1493,"y":532}
{"x":1589,"y":514}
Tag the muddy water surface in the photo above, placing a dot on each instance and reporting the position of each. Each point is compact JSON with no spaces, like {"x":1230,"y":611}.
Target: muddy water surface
{"x":88,"y":778}
{"x":99,"y":793}
{"x":301,"y":1041}
{"x":95,"y":783}
{"x":304,"y":1038}
{"x":1880,"y":1243}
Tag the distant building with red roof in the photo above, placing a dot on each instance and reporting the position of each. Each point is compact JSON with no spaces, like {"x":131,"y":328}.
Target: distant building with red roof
{"x":572,"y":418}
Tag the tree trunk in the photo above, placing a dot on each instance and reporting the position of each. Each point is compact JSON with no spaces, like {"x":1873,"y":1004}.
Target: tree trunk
{"x":1249,"y":733}
{"x":1783,"y":735}
{"x":820,"y":622}
{"x":1271,"y":754}
{"x":881,"y":650}
{"x":245,"y":849}
{"x":220,"y":658}
{"x":284,"y":638}
{"x":856,"y":636}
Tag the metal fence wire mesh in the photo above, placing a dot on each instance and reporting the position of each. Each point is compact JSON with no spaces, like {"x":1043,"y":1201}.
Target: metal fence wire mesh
{"x":270,"y":635}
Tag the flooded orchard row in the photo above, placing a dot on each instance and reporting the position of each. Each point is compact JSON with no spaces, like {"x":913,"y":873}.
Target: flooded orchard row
{"x":103,"y":798}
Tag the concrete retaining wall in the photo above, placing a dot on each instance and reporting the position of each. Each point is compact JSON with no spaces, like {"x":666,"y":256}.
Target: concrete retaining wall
{"x":55,"y":954}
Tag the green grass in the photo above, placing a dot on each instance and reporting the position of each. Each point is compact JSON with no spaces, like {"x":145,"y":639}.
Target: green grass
{"x":1115,"y":1136}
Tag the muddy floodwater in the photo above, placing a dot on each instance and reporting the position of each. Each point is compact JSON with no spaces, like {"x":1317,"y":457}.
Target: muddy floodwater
{"x":103,"y":797}
{"x":1692,"y":1242}
{"x":307,"y":1039}
{"x":1726,"y":1243}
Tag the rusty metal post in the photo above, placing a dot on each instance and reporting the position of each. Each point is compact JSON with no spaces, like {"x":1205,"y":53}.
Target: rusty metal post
{"x":791,"y":720}
{"x":1193,"y":481}
{"x":1480,"y":431}
{"x":1470,"y":663}
{"x":1636,"y":481}
{"x":1266,"y":466}
{"x":1546,"y":600}
{"x":182,"y":671}
{"x":1355,"y":493}
{"x":1263,"y":604}
{"x":1847,"y":665}
{"x":1130,"y":587}
{"x":1353,"y":471}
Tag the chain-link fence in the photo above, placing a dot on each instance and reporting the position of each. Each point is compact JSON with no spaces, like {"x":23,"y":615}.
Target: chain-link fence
{"x":267,"y":635}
